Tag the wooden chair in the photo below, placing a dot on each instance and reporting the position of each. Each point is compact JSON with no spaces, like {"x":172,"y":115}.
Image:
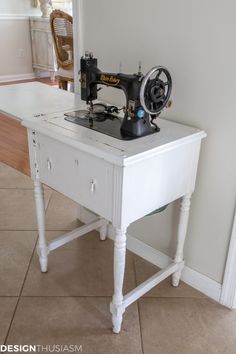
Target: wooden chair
{"x":62,"y":32}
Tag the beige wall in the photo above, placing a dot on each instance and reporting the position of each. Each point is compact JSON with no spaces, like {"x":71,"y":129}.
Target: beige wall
{"x":16,"y":61}
{"x":15,"y":43}
{"x":20,"y":7}
{"x":16,"y":58}
{"x":196,"y":41}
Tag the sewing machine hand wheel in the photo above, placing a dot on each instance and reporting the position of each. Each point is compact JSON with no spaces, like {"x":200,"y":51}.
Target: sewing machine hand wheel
{"x":155,"y":90}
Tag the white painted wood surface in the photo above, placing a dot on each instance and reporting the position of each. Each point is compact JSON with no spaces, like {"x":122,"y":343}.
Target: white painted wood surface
{"x":35,"y":99}
{"x":148,"y":284}
{"x":117,"y":307}
{"x":110,"y":187}
{"x":181,"y":235}
{"x":197,"y":280}
{"x":43,"y":54}
{"x":42,"y":248}
{"x":78,"y":232}
{"x":77,"y":10}
{"x":228,"y":295}
{"x":116,"y":151}
{"x":120,"y":181}
{"x":59,"y":163}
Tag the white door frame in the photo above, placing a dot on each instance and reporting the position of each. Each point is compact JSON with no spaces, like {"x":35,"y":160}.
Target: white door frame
{"x":77,"y":11}
{"x":228,"y":292}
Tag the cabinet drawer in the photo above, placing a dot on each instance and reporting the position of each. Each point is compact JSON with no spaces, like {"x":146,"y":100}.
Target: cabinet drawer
{"x":40,"y":24}
{"x":82,"y":177}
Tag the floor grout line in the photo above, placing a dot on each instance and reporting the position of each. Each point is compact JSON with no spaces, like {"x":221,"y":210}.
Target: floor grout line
{"x":26,"y":188}
{"x":36,"y":230}
{"x":48,"y":203}
{"x":49,"y":200}
{"x":17,"y":188}
{"x":23,"y":283}
{"x":31,"y":230}
{"x":19,"y":297}
{"x":110,"y":296}
{"x":64,"y":296}
{"x":139,"y":316}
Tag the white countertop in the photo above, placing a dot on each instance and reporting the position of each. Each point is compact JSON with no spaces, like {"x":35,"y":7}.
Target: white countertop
{"x":42,"y":107}
{"x":117,"y":151}
{"x":25,"y":100}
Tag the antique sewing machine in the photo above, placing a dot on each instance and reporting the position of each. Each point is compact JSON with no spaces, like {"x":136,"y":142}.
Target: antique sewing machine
{"x":146,"y":97}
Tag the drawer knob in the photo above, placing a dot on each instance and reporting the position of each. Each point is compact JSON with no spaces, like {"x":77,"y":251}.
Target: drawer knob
{"x":92,"y":185}
{"x":49,"y":164}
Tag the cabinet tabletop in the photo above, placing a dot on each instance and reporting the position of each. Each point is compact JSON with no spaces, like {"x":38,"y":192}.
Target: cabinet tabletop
{"x":42,"y":107}
{"x":34,"y":98}
{"x":119,"y":152}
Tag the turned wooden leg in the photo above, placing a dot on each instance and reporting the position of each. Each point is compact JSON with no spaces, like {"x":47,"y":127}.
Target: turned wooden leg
{"x":42,"y":248}
{"x":181,"y":235}
{"x":83,"y":216}
{"x":117,"y":308}
{"x":103,"y":231}
{"x":52,"y":76}
{"x":62,"y":84}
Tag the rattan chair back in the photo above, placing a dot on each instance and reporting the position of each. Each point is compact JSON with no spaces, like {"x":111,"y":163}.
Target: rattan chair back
{"x":62,"y":32}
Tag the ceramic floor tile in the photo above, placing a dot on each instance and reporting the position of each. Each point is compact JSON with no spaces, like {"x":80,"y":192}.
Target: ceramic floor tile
{"x":74,"y":321}
{"x":11,"y":178}
{"x":82,"y":268}
{"x":187,"y":326}
{"x":7,"y":307}
{"x":62,"y":213}
{"x":17,"y":209}
{"x":16,"y":249}
{"x":144,"y":270}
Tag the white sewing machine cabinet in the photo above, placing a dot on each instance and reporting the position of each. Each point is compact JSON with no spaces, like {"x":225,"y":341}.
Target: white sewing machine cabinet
{"x":121,"y":181}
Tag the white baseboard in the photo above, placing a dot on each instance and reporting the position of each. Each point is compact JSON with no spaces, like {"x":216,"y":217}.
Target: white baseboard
{"x":17,"y":77}
{"x":14,"y":17}
{"x":27,"y":76}
{"x":228,"y":297}
{"x":202,"y":283}
{"x":195,"y":279}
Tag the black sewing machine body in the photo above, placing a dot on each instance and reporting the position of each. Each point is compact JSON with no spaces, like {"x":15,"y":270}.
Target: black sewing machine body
{"x":145,"y":98}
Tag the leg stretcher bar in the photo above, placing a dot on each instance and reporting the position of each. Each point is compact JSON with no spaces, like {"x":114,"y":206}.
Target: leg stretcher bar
{"x":101,"y":225}
{"x":76,"y":233}
{"x":148,"y":284}
{"x":97,"y":224}
{"x":137,"y":292}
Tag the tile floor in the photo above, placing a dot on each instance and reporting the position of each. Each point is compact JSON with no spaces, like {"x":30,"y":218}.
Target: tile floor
{"x":70,"y":304}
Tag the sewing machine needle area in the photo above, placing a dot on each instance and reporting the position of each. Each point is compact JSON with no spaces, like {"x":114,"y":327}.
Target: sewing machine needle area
{"x":100,"y":121}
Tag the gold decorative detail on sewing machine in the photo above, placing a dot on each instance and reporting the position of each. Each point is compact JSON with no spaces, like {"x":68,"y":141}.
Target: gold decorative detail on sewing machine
{"x":111,"y":80}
